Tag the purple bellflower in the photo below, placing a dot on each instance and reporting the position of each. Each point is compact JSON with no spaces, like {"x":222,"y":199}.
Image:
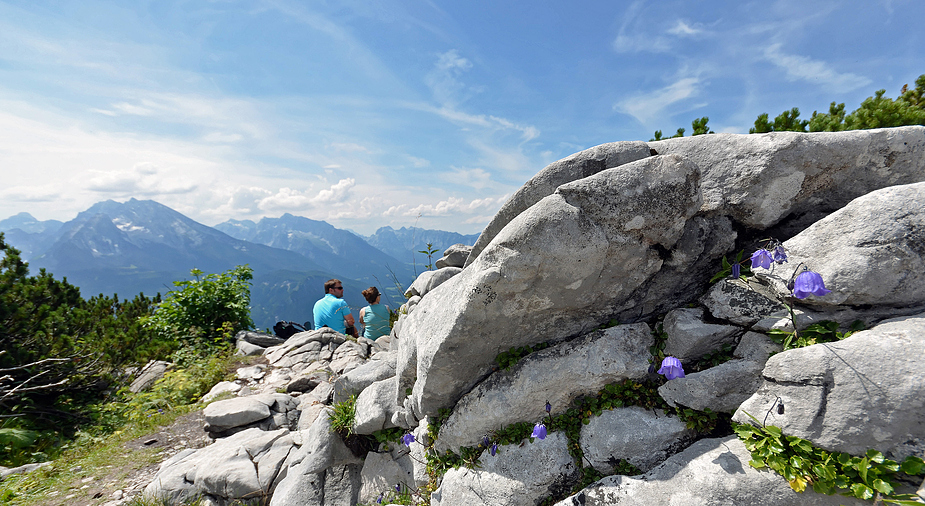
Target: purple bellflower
{"x":494,"y":449}
{"x":548,"y":407}
{"x":809,"y":282}
{"x":671,"y":368}
{"x":761,"y":258}
{"x":779,"y":255}
{"x":407,"y":439}
{"x":379,"y":500}
{"x":736,"y":270}
{"x":539,"y":431}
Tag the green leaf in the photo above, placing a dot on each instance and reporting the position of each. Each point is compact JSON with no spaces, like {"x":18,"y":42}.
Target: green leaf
{"x":875,"y":456}
{"x":862,"y":469}
{"x":883,"y":487}
{"x":773,"y":430}
{"x":862,"y":491}
{"x":913,"y":465}
{"x":823,"y":487}
{"x":796,"y":462}
{"x":757,"y":464}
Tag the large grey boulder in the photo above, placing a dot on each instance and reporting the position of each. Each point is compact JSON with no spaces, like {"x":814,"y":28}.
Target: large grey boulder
{"x":869,"y":253}
{"x":380,"y":474}
{"x":709,"y":472}
{"x":557,"y":375}
{"x":516,"y":476}
{"x":242,"y":466}
{"x":758,"y":180}
{"x":724,"y":387}
{"x":852,"y":395}
{"x":560,"y":268}
{"x":641,"y":437}
{"x":304,"y":348}
{"x":577,"y":166}
{"x":322,"y":448}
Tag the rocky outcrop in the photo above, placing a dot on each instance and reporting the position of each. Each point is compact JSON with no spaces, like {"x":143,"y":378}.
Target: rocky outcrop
{"x":569,"y":283}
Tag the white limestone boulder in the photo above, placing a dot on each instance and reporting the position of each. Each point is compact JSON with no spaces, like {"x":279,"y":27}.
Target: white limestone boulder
{"x":559,"y":269}
{"x":852,"y":395}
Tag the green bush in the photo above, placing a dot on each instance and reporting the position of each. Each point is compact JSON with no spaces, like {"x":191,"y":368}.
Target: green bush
{"x":203,"y":306}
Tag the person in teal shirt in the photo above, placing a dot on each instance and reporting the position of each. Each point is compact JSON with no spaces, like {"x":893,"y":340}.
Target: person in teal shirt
{"x":375,"y":316}
{"x":332,"y":311}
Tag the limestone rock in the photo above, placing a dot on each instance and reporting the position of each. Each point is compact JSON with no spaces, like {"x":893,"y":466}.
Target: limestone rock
{"x":245,"y":465}
{"x":304,"y":348}
{"x":690,"y":338}
{"x":575,"y":167}
{"x":724,"y":387}
{"x":560,"y":268}
{"x":711,"y":471}
{"x":641,"y":437}
{"x":428,"y":280}
{"x":150,"y":373}
{"x":454,"y":256}
{"x":375,"y":406}
{"x":873,"y":253}
{"x":557,"y":375}
{"x":852,"y":395}
{"x":760,"y":179}
{"x":516,"y":476}
{"x":354,"y":381}
{"x":741,"y":303}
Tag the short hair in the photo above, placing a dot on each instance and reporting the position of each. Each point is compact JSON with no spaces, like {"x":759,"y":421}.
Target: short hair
{"x":371,"y":294}
{"x":329,"y":284}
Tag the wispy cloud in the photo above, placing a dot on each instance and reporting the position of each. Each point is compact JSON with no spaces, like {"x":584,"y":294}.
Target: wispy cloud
{"x":648,"y":107}
{"x":802,"y":68}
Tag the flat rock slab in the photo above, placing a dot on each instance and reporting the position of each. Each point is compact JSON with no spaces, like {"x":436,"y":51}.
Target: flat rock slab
{"x":642,"y":437}
{"x":506,"y":397}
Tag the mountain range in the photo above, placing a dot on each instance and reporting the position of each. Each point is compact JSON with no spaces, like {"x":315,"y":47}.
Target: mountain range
{"x":141,"y":246}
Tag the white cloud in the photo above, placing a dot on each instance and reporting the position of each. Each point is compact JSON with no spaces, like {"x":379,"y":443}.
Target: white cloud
{"x":802,"y":68}
{"x":450,"y":206}
{"x":647,"y":108}
{"x":444,"y":80}
{"x":681,"y":28}
{"x":221,"y":138}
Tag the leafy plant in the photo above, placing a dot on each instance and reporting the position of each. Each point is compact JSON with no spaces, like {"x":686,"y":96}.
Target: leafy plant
{"x":430,"y":251}
{"x":205,"y":305}
{"x":343,"y":416}
{"x":823,"y":332}
{"x":727,"y":268}
{"x":804,"y":465}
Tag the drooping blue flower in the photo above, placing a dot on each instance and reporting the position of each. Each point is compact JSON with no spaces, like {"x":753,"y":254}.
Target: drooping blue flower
{"x":779,"y":255}
{"x":671,"y":368}
{"x":548,"y":407}
{"x":736,"y":270}
{"x":494,"y":449}
{"x":486,"y":441}
{"x":398,"y":488}
{"x":809,"y":282}
{"x":407,"y":439}
{"x":761,"y":258}
{"x":379,"y":500}
{"x":539,"y":431}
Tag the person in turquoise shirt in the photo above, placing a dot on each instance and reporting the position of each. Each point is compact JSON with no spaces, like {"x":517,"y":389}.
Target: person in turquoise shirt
{"x":375,"y":316}
{"x":332,"y":311}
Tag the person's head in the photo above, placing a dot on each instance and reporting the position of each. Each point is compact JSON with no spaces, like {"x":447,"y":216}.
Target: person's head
{"x":334,"y":287}
{"x":371,"y":294}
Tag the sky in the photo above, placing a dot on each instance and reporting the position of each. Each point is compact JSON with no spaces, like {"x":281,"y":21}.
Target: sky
{"x":400,"y":113}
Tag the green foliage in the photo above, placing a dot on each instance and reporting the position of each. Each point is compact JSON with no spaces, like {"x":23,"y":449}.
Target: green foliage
{"x":726,"y":269}
{"x":700,"y":127}
{"x":804,"y":465}
{"x":658,"y":346}
{"x":430,"y":251}
{"x":701,"y":421}
{"x":343,"y":416}
{"x":59,"y":352}
{"x":507,"y":359}
{"x":786,"y":121}
{"x":392,"y":435}
{"x":832,"y":121}
{"x":205,"y":305}
{"x":722,"y":355}
{"x":825,"y":331}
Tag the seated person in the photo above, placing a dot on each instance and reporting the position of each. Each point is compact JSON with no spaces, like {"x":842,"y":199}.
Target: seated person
{"x":375,"y":317}
{"x":332,"y":311}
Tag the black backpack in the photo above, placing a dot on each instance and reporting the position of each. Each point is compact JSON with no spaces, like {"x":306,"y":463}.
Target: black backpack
{"x":285,"y":330}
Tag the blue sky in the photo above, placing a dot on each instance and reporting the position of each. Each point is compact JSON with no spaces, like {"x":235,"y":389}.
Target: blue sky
{"x":366,"y":114}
